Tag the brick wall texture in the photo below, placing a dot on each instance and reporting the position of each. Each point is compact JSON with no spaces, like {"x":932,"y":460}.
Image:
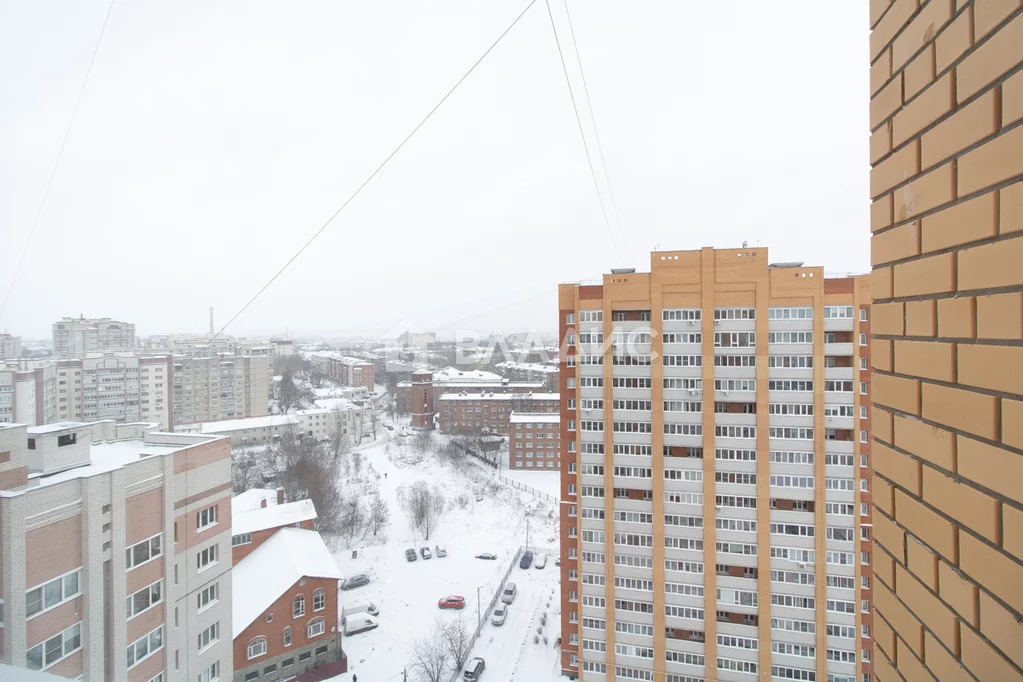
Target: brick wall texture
{"x":946,"y":183}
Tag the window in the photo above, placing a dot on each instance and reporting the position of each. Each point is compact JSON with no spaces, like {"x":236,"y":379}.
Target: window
{"x":206,"y":518}
{"x":48,"y":595}
{"x":242,"y":539}
{"x":209,"y":636}
{"x":211,"y":673}
{"x":298,"y":607}
{"x":838,"y":312}
{"x":208,"y":596}
{"x":319,"y":600}
{"x":569,"y":318}
{"x":316,"y":627}
{"x":144,"y":551}
{"x":206,"y":557}
{"x":257,"y":648}
{"x":42,"y":656}
{"x":287,"y":636}
{"x":144,"y":598}
{"x":145,"y":646}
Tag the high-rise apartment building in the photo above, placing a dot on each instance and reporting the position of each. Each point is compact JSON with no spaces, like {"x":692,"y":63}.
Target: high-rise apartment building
{"x":10,"y":346}
{"x":115,"y":552}
{"x":76,"y":336}
{"x":124,"y":387}
{"x":715,"y":472}
{"x":946,"y":148}
{"x":220,"y":386}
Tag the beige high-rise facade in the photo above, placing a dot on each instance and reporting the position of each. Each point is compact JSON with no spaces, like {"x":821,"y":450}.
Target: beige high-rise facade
{"x":716,"y":472}
{"x":220,"y":386}
{"x":946,"y":116}
{"x":76,"y":336}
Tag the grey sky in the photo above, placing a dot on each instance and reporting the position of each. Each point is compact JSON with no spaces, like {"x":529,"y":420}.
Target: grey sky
{"x":215,"y":137}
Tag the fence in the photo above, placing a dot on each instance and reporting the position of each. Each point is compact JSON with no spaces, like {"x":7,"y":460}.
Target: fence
{"x":525,"y":488}
{"x":485,"y":615}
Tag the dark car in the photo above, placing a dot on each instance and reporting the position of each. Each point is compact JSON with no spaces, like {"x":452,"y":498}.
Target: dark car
{"x":425,"y":552}
{"x":357,"y":580}
{"x":473,"y":669}
{"x":526,"y":560}
{"x":453,"y":601}
{"x":486,"y":555}
{"x":410,"y":554}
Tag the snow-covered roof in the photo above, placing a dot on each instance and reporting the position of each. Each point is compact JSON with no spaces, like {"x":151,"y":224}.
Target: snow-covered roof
{"x":258,"y":580}
{"x":503,"y":385}
{"x":262,"y":422}
{"x":464,"y":376}
{"x":252,"y":499}
{"x":53,"y":428}
{"x":501,"y":396}
{"x":526,"y":366}
{"x":272,"y":516}
{"x":538,"y":417}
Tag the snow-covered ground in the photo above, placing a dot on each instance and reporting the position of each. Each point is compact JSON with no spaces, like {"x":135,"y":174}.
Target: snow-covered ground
{"x":407,"y":592}
{"x":545,"y":481}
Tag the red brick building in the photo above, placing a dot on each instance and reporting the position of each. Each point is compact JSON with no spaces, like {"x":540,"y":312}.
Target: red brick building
{"x":534,"y":441}
{"x":285,"y":610}
{"x":351,"y":371}
{"x":259,"y":513}
{"x":421,"y":401}
{"x":474,"y":413}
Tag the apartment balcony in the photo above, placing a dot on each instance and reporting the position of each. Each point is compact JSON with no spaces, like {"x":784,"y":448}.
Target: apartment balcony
{"x":838,"y":422}
{"x":838,"y":324}
{"x":839,"y":348}
{"x":839,"y":373}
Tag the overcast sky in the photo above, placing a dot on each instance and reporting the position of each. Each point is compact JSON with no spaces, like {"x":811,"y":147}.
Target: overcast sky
{"x":214,"y":137}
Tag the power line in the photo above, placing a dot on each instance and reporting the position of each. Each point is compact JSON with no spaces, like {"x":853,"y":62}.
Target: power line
{"x":593,"y":119}
{"x":56,"y":162}
{"x":579,"y":123}
{"x":372,"y":175}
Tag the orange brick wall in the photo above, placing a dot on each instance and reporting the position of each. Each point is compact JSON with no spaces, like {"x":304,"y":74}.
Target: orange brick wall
{"x":946,"y":184}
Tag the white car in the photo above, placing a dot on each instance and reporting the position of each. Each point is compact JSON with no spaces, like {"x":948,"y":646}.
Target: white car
{"x":541,"y":561}
{"x":508,"y":595}
{"x":499,"y":614}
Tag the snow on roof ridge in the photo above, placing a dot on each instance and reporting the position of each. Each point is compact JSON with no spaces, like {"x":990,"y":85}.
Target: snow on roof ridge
{"x":271,"y":516}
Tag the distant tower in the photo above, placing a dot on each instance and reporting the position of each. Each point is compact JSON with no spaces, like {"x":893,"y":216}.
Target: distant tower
{"x":211,"y":320}
{"x":422,"y":400}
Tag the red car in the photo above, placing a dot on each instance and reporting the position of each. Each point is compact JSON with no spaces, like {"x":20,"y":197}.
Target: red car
{"x":454,"y":601}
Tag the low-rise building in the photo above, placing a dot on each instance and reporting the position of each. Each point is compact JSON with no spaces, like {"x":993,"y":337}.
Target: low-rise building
{"x":531,"y":371}
{"x":534,"y":441}
{"x":285,"y":610}
{"x":489,"y":413}
{"x":115,"y":549}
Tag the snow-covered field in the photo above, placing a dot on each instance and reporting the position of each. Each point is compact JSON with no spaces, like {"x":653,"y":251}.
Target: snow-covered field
{"x":407,"y":592}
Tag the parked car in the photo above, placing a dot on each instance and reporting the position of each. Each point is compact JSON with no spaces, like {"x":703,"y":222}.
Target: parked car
{"x":359,"y":606}
{"x":452,"y":601}
{"x":441,"y":551}
{"x":357,"y":580}
{"x":486,"y":555}
{"x":410,"y":554}
{"x":508,"y":593}
{"x":474,"y":668}
{"x":499,"y":614}
{"x":425,"y":552}
{"x":541,"y":561}
{"x":388,"y":427}
{"x":359,"y":622}
{"x":526,"y":560}
{"x":557,"y":561}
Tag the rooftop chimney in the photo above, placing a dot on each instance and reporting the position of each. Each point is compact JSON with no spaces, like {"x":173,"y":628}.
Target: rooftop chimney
{"x":262,"y":503}
{"x":280,"y":496}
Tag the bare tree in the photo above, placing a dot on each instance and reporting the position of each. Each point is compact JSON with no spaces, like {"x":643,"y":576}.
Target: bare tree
{"x":424,"y":506}
{"x":430,"y":658}
{"x":339,"y":441}
{"x":456,"y":638}
{"x":287,"y":392}
{"x":379,"y":514}
{"x":421,"y":442}
{"x":304,"y":470}
{"x":353,"y":518}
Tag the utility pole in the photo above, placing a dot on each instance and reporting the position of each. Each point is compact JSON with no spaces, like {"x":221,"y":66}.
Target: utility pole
{"x":479,"y":613}
{"x":527,"y":533}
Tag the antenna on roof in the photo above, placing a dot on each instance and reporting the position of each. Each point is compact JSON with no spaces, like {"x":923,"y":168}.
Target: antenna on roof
{"x":745,"y":244}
